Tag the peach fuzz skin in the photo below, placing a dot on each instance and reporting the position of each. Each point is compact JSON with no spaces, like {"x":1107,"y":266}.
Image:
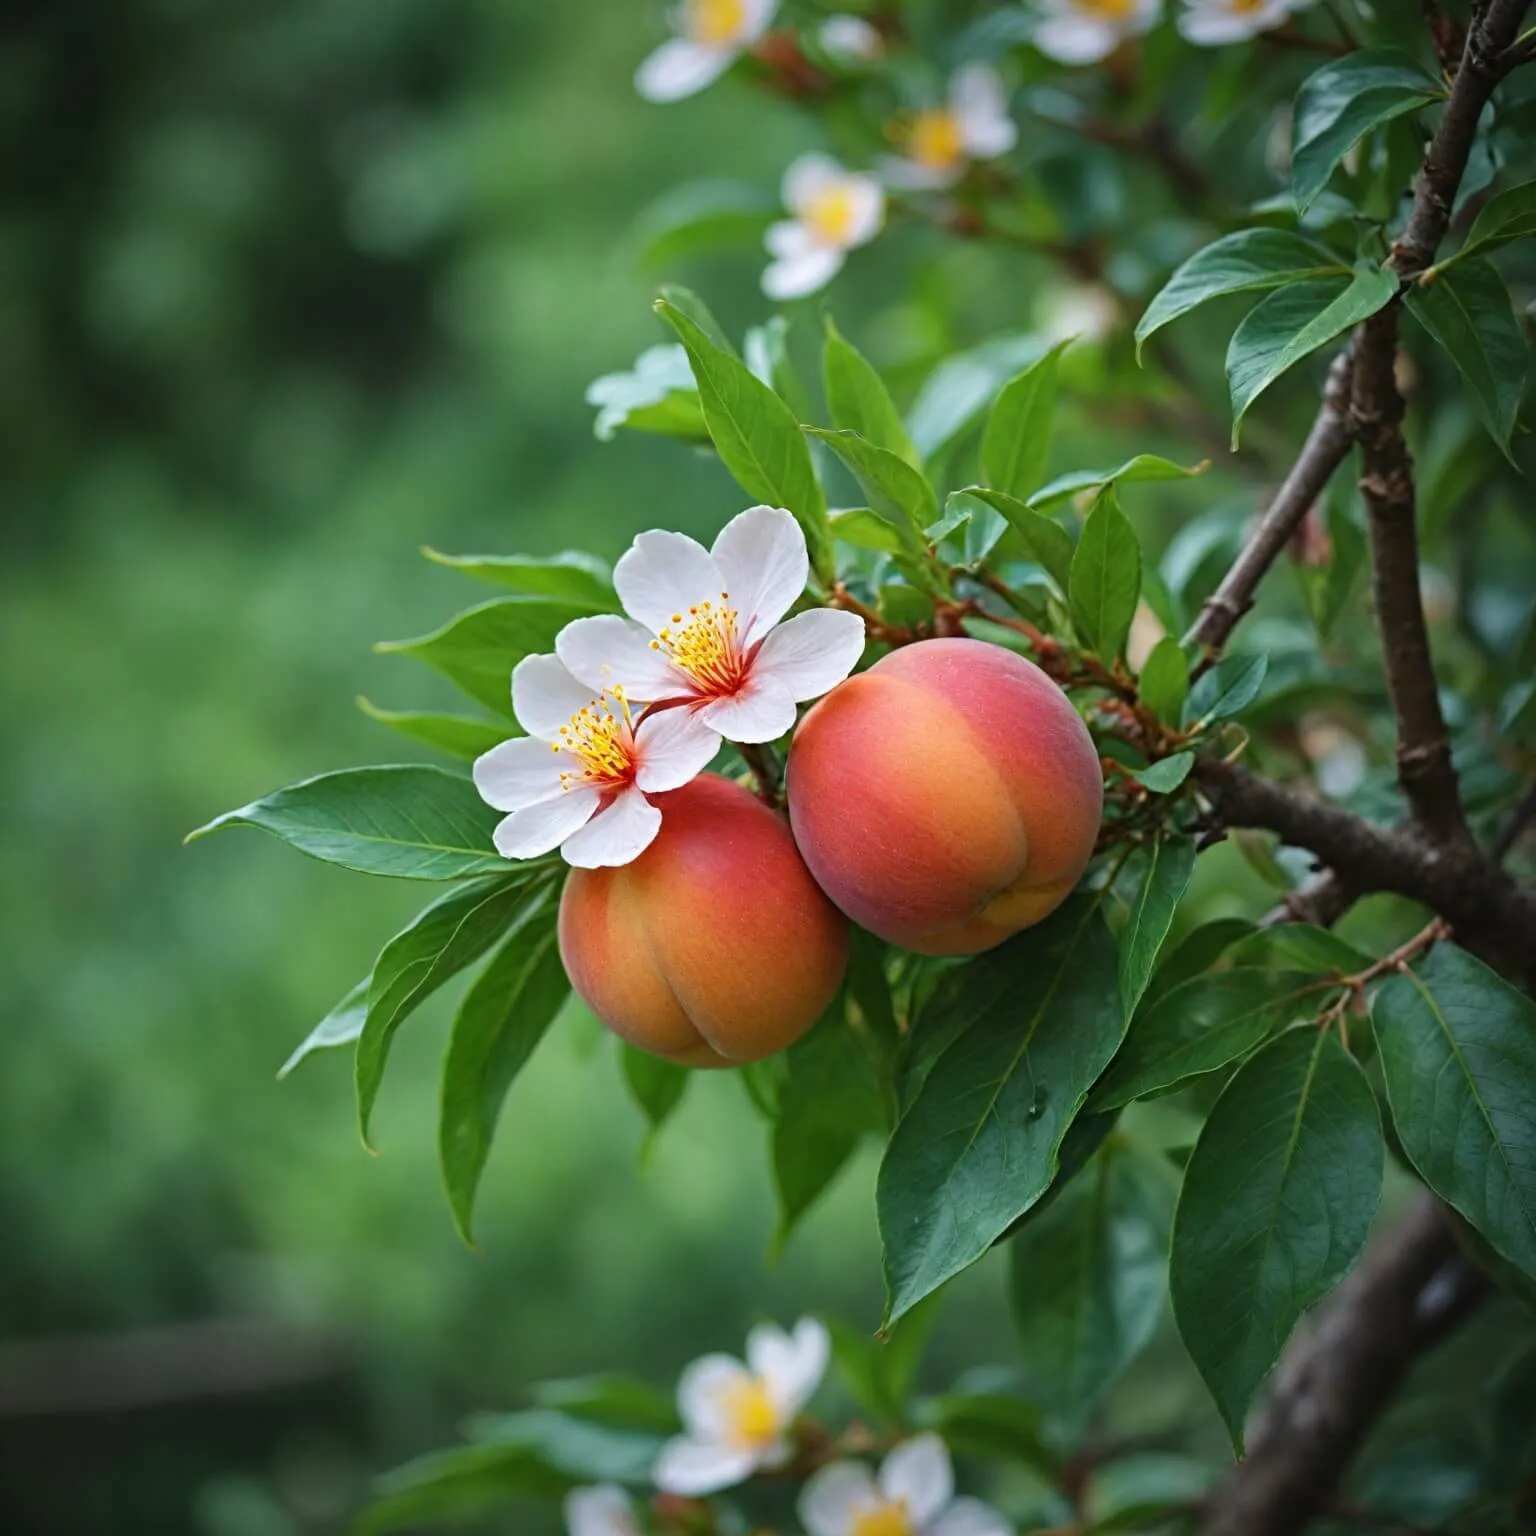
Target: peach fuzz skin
{"x":715,"y":945}
{"x":947,"y":797}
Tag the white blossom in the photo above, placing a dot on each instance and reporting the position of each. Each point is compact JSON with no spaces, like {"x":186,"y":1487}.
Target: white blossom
{"x":1086,"y":31}
{"x":601,"y":1511}
{"x":851,"y":39}
{"x":912,"y":1495}
{"x":939,"y":143}
{"x":832,"y":210}
{"x":1211,"y":23}
{"x":711,"y":36}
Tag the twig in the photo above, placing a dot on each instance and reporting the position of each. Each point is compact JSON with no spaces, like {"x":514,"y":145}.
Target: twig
{"x":1399,"y":960}
{"x":767,"y":772}
{"x":1322,"y":901}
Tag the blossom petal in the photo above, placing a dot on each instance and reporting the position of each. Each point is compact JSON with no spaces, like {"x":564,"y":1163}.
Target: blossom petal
{"x":761,"y":554}
{"x":911,"y":176}
{"x":672,"y":746}
{"x":788,"y":240}
{"x":704,"y":1389}
{"x":867,"y":199}
{"x":969,"y":1517}
{"x":756,"y":14}
{"x":760,"y":710}
{"x":621,"y":831}
{"x":1075,"y":39}
{"x":792,"y":277}
{"x":1211,"y":23}
{"x":834,"y":1498}
{"x":607,"y":652}
{"x":537,"y":828}
{"x":681,"y":68}
{"x":811,"y":653}
{"x":662,"y":575}
{"x":851,"y":39}
{"x":790,"y":1364}
{"x":601,"y":1511}
{"x":808,"y":176}
{"x":545,"y":695}
{"x":693,"y":1468}
{"x":919,"y":1473}
{"x":981,"y":107}
{"x":519,"y":773}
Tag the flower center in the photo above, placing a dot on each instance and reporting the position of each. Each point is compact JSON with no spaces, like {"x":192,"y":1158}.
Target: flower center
{"x":883,"y":1520}
{"x":602,"y":741}
{"x":751,"y":1414}
{"x":704,"y":644}
{"x":830,"y":214}
{"x":1245,"y":7}
{"x":714,"y":22}
{"x":1108,"y":10}
{"x":935,"y":140}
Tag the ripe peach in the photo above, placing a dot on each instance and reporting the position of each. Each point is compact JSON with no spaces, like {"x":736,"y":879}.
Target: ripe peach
{"x":947,"y":797}
{"x":715,"y":945}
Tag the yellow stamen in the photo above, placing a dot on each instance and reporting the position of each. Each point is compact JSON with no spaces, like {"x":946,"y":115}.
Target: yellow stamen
{"x":706,"y":646}
{"x":830,"y":214}
{"x":714,"y":22}
{"x":934,"y":137}
{"x":751,"y":1414}
{"x":602,"y":741}
{"x":1108,"y":10}
{"x":883,"y":1520}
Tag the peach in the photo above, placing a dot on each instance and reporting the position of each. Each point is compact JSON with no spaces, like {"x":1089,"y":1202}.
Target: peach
{"x":715,"y":945}
{"x":947,"y":797}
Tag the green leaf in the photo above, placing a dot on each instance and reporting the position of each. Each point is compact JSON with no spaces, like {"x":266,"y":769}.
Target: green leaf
{"x":858,"y":399}
{"x":438,"y":943}
{"x":410,"y":821}
{"x":624,"y":1401}
{"x":899,"y":493}
{"x":1145,"y":466}
{"x":765,"y":350}
{"x":460,"y":736}
{"x":656,"y":395}
{"x":1016,"y":445}
{"x":1165,"y":775}
{"x":578,"y":577}
{"x":579,"y":1449}
{"x":1200,"y":1026}
{"x":1195,"y":954}
{"x":478,"y":649}
{"x":955,"y":394}
{"x":1029,"y":1026}
{"x":502,"y":1018}
{"x":1164,"y":681}
{"x":1278,"y":1199}
{"x":1243,"y":262}
{"x":1339,"y":104}
{"x":699,"y":216}
{"x":1170,"y":863}
{"x":1140,"y":1493}
{"x":1225,"y":690}
{"x":1087,"y":1280}
{"x":755,"y":434}
{"x":1105,"y":579}
{"x":1327,"y":589}
{"x":1045,"y":541}
{"x":1458,"y":1051}
{"x":954,"y":517}
{"x":988,"y":1426}
{"x":1467,"y":311}
{"x":1293,"y":321}
{"x":864,"y":528}
{"x":656,"y":1086}
{"x":1300,"y":947}
{"x":341,"y":1026}
{"x":455,"y":1485}
{"x":879,"y":1371}
{"x":697,"y":312}
{"x":1503,"y":219}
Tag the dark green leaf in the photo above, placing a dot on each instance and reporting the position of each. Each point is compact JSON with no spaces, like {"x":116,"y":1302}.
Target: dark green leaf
{"x":1458,"y":1051}
{"x":1508,"y":217}
{"x":869,"y":992}
{"x":699,"y":216}
{"x":413,"y":822}
{"x":1227,"y":689}
{"x":755,"y":434}
{"x":896,"y":491}
{"x":1300,"y":947}
{"x":1342,"y":102}
{"x":460,"y":736}
{"x":879,"y":1371}
{"x":502,"y":1018}
{"x":1201,"y":1026}
{"x":1045,"y":541}
{"x":1145,"y":466}
{"x":1243,"y":262}
{"x":656,"y":395}
{"x":1029,"y":1026}
{"x":655,"y":1085}
{"x":859,"y":401}
{"x":578,"y":577}
{"x":1296,"y":320}
{"x":1467,"y":311}
{"x":1164,"y":682}
{"x":1016,"y":445}
{"x":1195,"y":954}
{"x":1170,"y":863}
{"x":1139,"y":1493}
{"x":456,"y":1485}
{"x":478,"y":649}
{"x":1165,"y":775}
{"x":1278,"y":1199}
{"x":989,"y":1426}
{"x":1105,"y":580}
{"x":1088,"y":1276}
{"x":341,"y":1026}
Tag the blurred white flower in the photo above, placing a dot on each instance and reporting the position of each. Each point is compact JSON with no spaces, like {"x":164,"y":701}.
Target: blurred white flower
{"x":1210,"y":23}
{"x":939,"y":143}
{"x":711,"y":36}
{"x":737,"y":1417}
{"x":913,"y":1495}
{"x":851,"y":39}
{"x":834,"y":210}
{"x":704,"y":630}
{"x":1085,"y":31}
{"x":1076,"y":309}
{"x":601,"y":1511}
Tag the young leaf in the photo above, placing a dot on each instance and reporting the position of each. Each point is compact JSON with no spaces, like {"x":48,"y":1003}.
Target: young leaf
{"x":1277,"y":1201}
{"x":412,"y":822}
{"x":1170,"y":863}
{"x":698,"y":216}
{"x":1226,"y":690}
{"x":1165,"y":775}
{"x":1145,"y":466}
{"x":1458,"y":1051}
{"x":1503,"y":219}
{"x":460,"y":736}
{"x":578,"y":577}
{"x":1087,"y":1280}
{"x":1467,"y":311}
{"x":899,"y":493}
{"x":1029,"y":1026}
{"x":656,"y":1086}
{"x":1293,"y":321}
{"x":478,"y":649}
{"x":1164,"y":681}
{"x":1200,"y":1026}
{"x":859,"y":401}
{"x":1244,"y":262}
{"x":755,"y":434}
{"x":1342,"y":102}
{"x":765,"y":350}
{"x":1016,"y":445}
{"x":341,"y":1026}
{"x":864,"y":528}
{"x":1045,"y":541}
{"x":956,"y":393}
{"x":502,"y":1018}
{"x":1105,"y":580}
